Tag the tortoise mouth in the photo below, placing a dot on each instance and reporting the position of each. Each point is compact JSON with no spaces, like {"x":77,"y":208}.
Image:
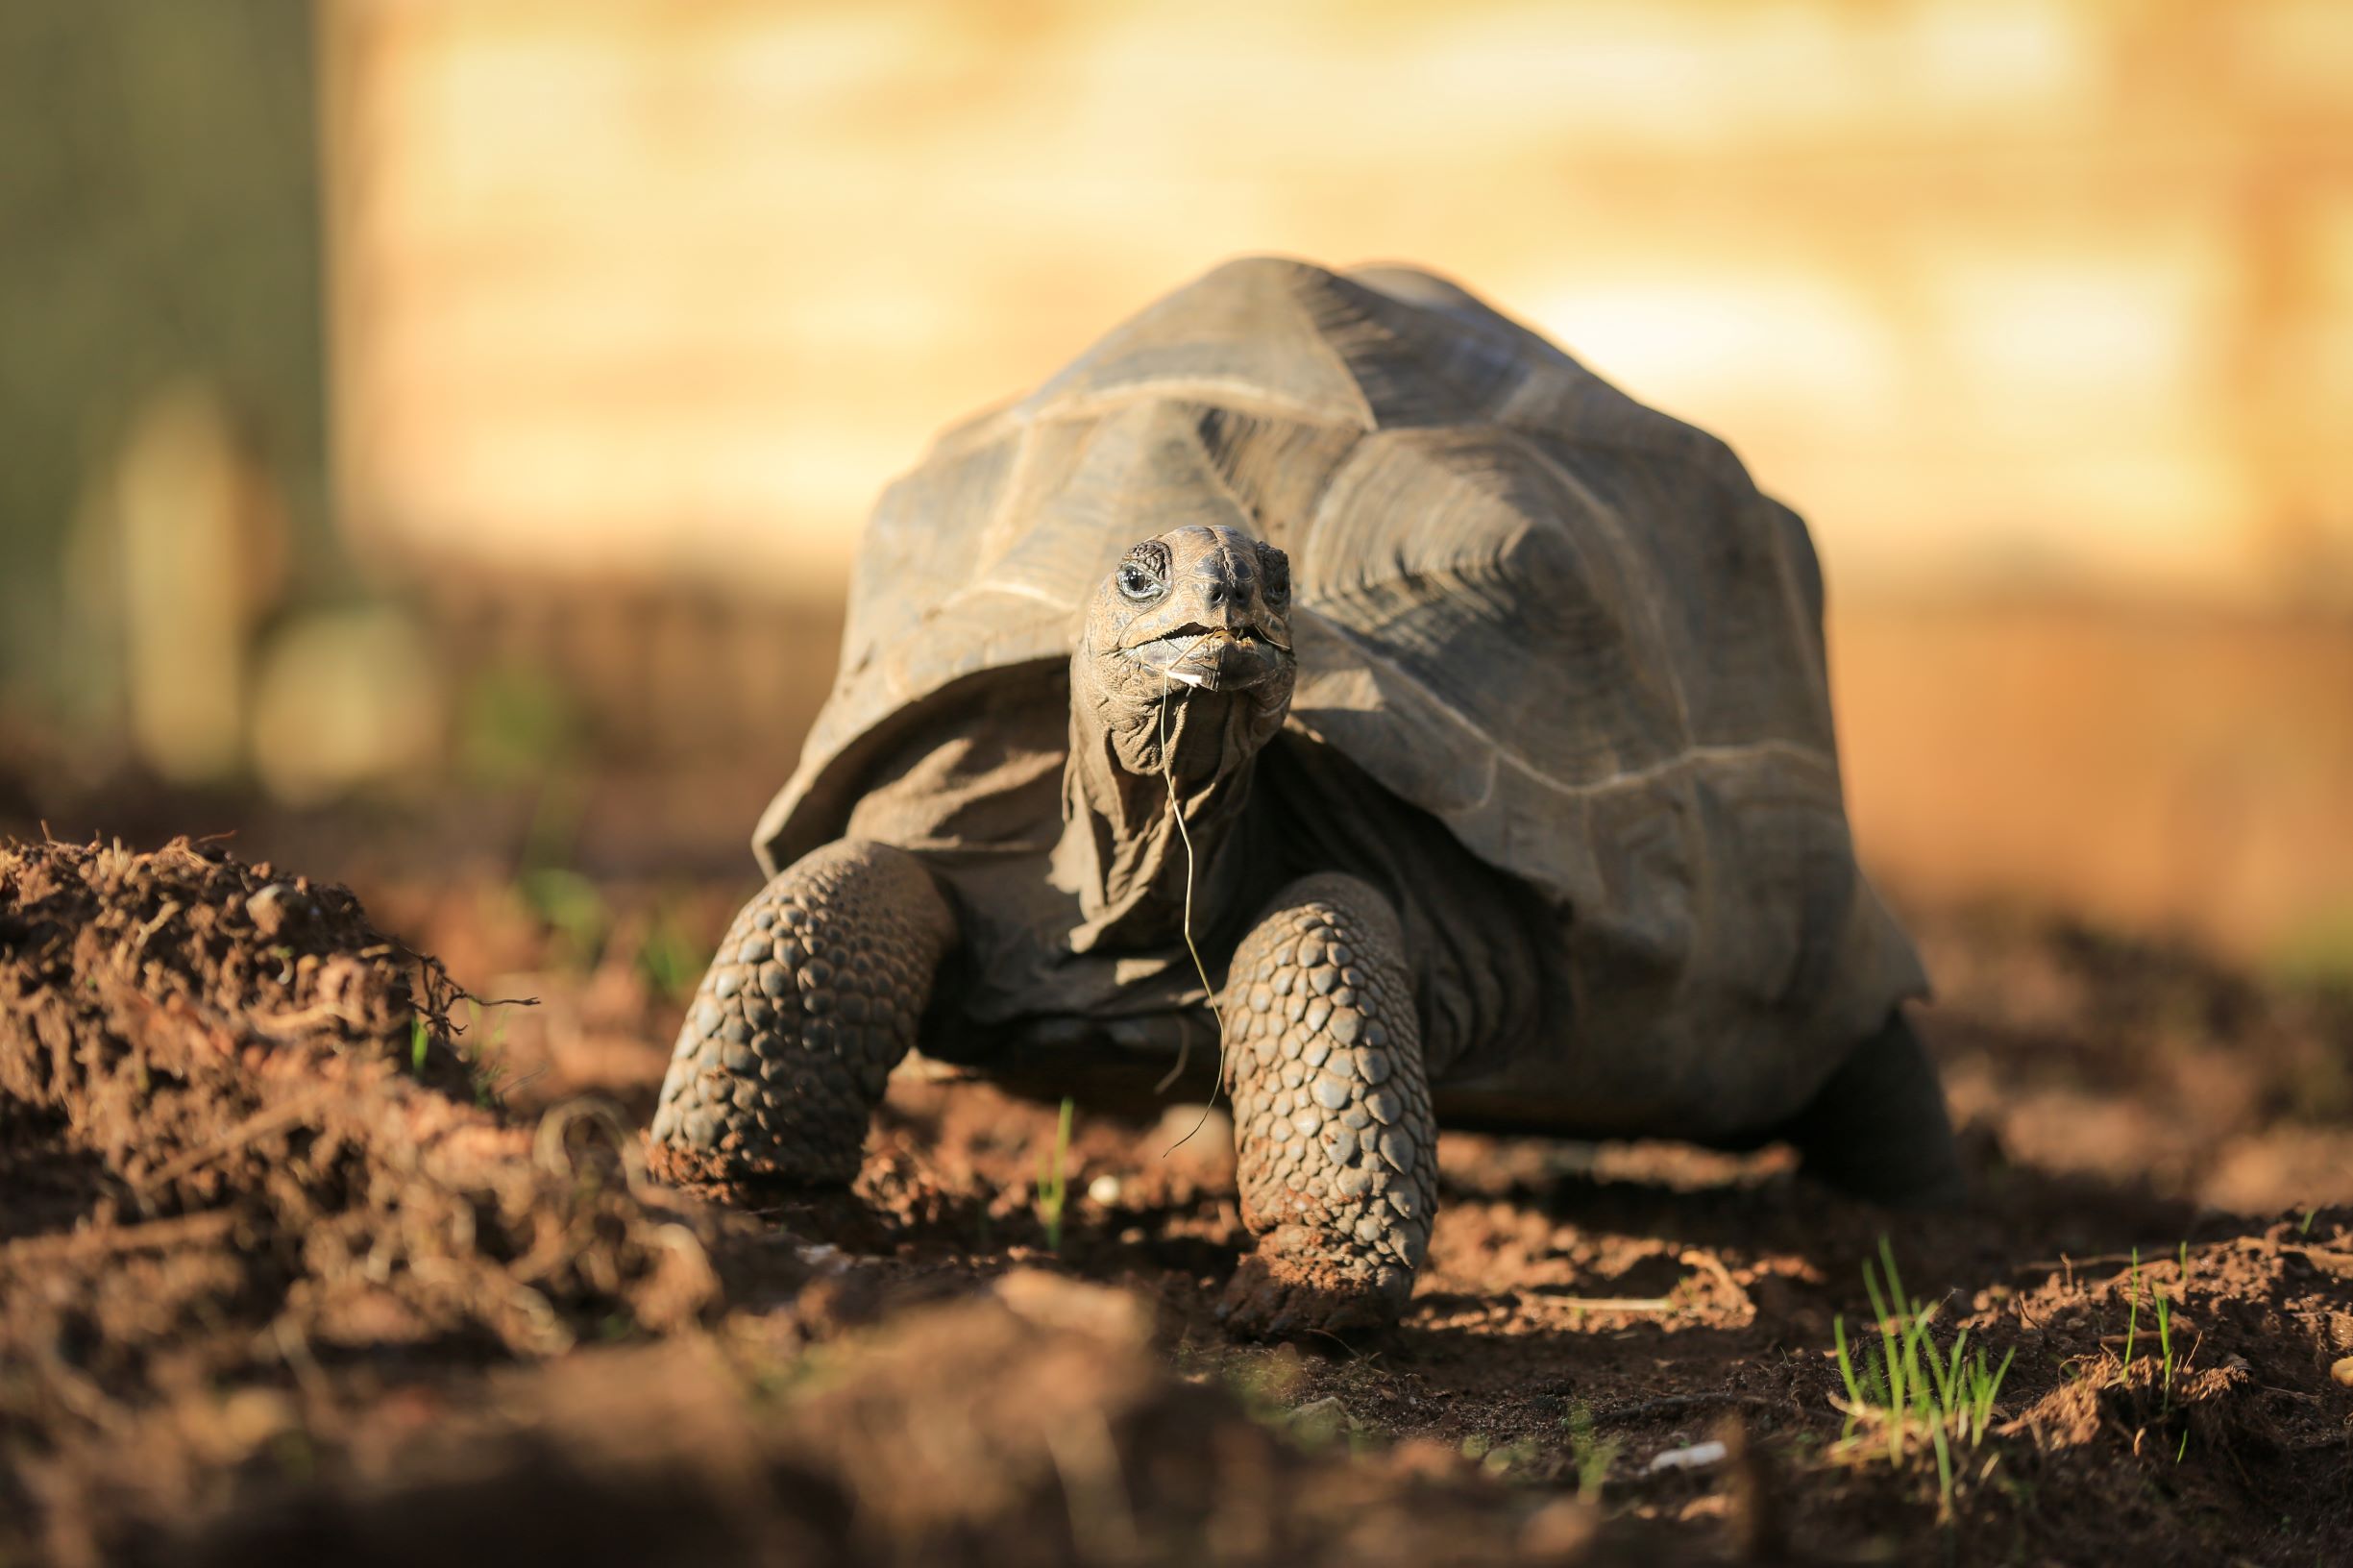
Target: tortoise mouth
{"x":1212,"y":658}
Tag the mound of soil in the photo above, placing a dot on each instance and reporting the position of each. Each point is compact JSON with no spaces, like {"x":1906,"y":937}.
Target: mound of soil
{"x":285,"y":1276}
{"x":236,"y":1146}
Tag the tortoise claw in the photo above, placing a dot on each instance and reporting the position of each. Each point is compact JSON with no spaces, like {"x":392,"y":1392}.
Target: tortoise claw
{"x":1271,"y":1298}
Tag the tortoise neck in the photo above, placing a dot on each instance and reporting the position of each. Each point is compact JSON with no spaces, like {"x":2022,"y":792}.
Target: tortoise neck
{"x":1151,"y":796}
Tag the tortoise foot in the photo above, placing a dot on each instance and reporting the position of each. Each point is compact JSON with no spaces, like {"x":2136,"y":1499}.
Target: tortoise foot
{"x":1280,"y":1295}
{"x":811,"y":1001}
{"x":1878,"y":1129}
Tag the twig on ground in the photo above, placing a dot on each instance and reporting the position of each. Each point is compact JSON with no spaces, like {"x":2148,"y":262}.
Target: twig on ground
{"x":1616,"y":1304}
{"x":208,"y":1226}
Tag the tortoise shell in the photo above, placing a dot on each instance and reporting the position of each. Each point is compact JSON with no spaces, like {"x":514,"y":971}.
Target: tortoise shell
{"x":1565,"y":626}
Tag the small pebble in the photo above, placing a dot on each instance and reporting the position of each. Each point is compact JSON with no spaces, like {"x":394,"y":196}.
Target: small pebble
{"x":1698,"y":1456}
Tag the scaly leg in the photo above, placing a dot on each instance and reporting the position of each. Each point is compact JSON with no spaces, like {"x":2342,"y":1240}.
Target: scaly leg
{"x":1337,"y":1151}
{"x":810,"y":1003}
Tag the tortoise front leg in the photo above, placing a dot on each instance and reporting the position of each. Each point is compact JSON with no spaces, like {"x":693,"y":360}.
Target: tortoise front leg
{"x":810,"y":1003}
{"x":1338,"y":1152}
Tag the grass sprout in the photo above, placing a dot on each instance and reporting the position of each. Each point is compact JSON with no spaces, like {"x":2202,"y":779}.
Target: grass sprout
{"x":1176,"y":813}
{"x":669,"y":959}
{"x":573,"y":908}
{"x":419,"y":1038}
{"x":1909,"y":1391}
{"x":1054,"y":1180}
{"x":2132,"y":1322}
{"x":1591,"y":1453}
{"x":2163,"y":1308}
{"x":485,"y":1063}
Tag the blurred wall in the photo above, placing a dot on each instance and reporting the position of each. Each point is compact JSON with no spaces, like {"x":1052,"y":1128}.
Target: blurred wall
{"x":1986,"y":286}
{"x":2042,"y":310}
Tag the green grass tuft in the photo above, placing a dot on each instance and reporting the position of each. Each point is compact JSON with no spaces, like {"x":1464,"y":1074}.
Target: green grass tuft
{"x":1054,"y":1180}
{"x":1912,"y":1392}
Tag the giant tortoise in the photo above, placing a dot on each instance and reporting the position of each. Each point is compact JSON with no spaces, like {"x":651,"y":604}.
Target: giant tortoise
{"x":1467,"y":716}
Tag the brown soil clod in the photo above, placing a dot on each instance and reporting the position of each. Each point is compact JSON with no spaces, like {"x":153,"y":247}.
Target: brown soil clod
{"x":272,"y":1171}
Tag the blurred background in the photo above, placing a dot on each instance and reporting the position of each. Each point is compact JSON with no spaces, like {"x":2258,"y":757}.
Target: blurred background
{"x":446,"y":425}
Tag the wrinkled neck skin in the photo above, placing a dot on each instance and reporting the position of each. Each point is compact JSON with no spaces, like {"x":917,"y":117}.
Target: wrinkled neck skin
{"x":1120,"y":849}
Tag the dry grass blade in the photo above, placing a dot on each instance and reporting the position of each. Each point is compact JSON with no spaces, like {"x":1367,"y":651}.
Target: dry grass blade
{"x":1176,"y":811}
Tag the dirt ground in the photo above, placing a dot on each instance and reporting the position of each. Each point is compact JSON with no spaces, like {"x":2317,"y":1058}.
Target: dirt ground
{"x":308,"y":1253}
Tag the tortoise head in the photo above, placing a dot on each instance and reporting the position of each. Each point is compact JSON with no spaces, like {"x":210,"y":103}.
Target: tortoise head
{"x":1200,"y":608}
{"x":1182,"y":674}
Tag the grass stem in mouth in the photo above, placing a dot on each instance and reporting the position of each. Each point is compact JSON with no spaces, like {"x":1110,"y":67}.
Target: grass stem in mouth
{"x":1168,"y":762}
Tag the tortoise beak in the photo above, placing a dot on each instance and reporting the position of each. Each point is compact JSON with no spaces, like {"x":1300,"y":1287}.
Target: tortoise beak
{"x":1213,"y":658}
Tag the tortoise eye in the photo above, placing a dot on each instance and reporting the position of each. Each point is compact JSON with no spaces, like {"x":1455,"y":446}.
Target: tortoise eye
{"x":1144,"y":574}
{"x":1137,"y":584}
